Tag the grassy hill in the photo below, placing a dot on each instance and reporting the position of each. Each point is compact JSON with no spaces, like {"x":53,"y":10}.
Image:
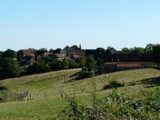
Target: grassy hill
{"x":44,"y":99}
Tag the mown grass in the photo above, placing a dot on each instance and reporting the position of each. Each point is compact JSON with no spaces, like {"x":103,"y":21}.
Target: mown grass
{"x":45,"y":88}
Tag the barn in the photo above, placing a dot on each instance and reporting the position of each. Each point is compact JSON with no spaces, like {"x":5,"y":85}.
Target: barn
{"x":120,"y":66}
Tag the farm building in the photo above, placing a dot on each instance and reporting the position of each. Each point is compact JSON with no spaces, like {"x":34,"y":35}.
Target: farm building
{"x":120,"y":66}
{"x":26,"y":56}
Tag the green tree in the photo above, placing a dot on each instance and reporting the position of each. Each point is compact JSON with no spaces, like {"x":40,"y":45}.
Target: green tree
{"x":138,"y":50}
{"x":53,"y":63}
{"x":149,"y":48}
{"x":156,"y":53}
{"x":64,"y":64}
{"x":125,"y":51}
{"x":73,"y":65}
{"x":1,"y":54}
{"x":9,"y":54}
{"x":39,"y":67}
{"x":9,"y":68}
{"x":90,"y":62}
{"x":81,"y":62}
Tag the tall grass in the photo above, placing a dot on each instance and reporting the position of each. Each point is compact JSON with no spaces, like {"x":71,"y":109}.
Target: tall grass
{"x":114,"y":106}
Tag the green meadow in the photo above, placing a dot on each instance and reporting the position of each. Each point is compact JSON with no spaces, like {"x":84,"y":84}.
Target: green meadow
{"x":44,"y":100}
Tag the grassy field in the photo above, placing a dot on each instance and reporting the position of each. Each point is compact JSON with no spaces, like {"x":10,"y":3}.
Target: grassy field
{"x":45,"y":100}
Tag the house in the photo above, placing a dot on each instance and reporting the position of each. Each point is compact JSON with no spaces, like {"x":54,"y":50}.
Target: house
{"x":75,"y":57}
{"x":60,"y":57}
{"x":109,"y":67}
{"x":26,"y":56}
{"x":128,"y":66}
{"x":40,"y":55}
{"x":120,"y":66}
{"x":111,"y":54}
{"x":74,"y":50}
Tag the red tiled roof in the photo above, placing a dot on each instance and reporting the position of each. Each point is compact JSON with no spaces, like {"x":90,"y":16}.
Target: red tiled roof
{"x":128,"y":65}
{"x":111,"y":63}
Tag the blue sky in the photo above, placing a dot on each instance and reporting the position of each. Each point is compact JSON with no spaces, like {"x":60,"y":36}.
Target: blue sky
{"x":92,"y":23}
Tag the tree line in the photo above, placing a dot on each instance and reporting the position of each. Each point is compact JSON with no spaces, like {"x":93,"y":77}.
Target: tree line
{"x":9,"y":67}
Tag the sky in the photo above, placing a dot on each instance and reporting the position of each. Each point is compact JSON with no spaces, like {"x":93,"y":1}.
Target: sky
{"x":91,"y":23}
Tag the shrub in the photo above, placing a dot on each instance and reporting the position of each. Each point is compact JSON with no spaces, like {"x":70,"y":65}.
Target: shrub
{"x":73,"y":65}
{"x":112,"y":107}
{"x":9,"y":68}
{"x":152,"y":100}
{"x":113,"y":84}
{"x":38,"y":68}
{"x":3,"y":88}
{"x":85,"y":74}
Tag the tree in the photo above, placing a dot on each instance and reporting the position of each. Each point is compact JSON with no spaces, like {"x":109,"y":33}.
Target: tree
{"x":1,"y":54}
{"x":40,"y":67}
{"x":51,"y":50}
{"x":9,"y":54}
{"x":64,"y":64}
{"x":149,"y":48}
{"x":74,"y":47}
{"x":53,"y":63}
{"x":90,"y":62}
{"x":138,"y":50}
{"x":41,"y":51}
{"x":81,"y":62}
{"x":73,"y":64}
{"x":125,"y":51}
{"x":100,"y":56}
{"x":156,"y":53}
{"x":9,"y":68}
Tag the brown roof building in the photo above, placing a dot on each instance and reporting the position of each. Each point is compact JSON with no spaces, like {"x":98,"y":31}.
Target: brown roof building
{"x":119,"y":66}
{"x":26,"y":56}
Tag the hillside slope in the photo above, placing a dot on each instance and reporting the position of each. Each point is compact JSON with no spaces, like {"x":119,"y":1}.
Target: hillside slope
{"x":45,"y":100}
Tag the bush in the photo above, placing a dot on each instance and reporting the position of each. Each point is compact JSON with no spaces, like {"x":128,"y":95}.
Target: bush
{"x":9,"y":68}
{"x":39,"y":67}
{"x":152,"y":100}
{"x":3,"y":88}
{"x":113,"y":84}
{"x":112,"y":107}
{"x":85,"y":74}
{"x":73,"y":65}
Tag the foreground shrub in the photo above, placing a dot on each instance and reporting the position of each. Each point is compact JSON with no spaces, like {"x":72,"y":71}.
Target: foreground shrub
{"x":113,"y":107}
{"x":3,"y":88}
{"x":152,"y":100}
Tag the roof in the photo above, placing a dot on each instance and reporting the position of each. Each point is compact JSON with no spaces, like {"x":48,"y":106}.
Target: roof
{"x":112,"y":50}
{"x":47,"y":54}
{"x":66,"y":48}
{"x":60,"y":55}
{"x":111,"y":63}
{"x":27,"y":52}
{"x":128,"y":64}
{"x":76,"y":56}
